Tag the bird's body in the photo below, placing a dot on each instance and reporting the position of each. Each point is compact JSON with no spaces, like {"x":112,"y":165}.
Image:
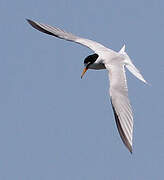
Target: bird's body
{"x":114,"y":62}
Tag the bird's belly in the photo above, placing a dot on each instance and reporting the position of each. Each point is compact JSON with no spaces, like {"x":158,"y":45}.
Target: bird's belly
{"x":97,"y":66}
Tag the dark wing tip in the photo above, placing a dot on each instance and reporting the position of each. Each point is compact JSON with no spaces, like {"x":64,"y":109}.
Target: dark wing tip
{"x":39,"y":27}
{"x":28,"y":20}
{"x":130,"y":149}
{"x":121,"y":132}
{"x":32,"y":23}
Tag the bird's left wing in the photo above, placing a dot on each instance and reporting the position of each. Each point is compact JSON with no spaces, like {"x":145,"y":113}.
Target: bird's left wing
{"x":67,"y":36}
{"x":120,"y":103}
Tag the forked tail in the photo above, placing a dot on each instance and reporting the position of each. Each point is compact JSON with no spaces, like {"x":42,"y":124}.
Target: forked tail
{"x":130,"y":66}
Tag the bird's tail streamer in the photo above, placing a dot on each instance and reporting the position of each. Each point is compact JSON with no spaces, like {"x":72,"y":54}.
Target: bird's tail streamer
{"x":130,"y":66}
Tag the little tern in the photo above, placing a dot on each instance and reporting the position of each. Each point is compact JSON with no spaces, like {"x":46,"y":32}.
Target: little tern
{"x":115,"y":63}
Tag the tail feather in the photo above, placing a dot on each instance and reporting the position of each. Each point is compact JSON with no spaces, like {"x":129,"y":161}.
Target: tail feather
{"x":122,"y":50}
{"x":135,"y":72}
{"x":130,"y":66}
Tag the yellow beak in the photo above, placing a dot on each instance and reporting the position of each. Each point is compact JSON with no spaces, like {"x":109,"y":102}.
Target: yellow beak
{"x":84,"y":71}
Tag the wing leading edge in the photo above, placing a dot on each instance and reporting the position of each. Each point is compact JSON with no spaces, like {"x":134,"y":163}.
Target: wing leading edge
{"x":67,"y":36}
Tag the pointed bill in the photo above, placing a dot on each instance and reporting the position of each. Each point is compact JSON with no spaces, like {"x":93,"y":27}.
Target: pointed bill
{"x":84,"y":71}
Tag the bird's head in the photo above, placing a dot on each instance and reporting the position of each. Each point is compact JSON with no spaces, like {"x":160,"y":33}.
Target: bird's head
{"x":88,"y":61}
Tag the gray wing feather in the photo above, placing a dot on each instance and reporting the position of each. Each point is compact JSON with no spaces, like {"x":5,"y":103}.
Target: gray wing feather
{"x":67,"y":36}
{"x":120,"y":103}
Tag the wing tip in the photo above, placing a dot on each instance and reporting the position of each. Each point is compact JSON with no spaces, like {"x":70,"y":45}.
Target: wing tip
{"x":29,"y":21}
{"x":121,"y":132}
{"x":130,"y":149}
{"x":32,"y":23}
{"x":40,"y":27}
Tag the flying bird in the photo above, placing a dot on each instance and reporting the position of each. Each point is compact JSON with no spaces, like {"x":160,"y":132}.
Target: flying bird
{"x":115,"y":63}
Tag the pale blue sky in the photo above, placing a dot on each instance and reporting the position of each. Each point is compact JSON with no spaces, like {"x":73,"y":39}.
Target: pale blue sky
{"x":53,"y":125}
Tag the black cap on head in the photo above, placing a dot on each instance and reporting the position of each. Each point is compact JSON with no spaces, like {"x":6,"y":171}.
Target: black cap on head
{"x":91,"y":59}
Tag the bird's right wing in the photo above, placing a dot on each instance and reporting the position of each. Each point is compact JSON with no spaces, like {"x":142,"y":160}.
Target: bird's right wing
{"x":67,"y":36}
{"x":120,"y":103}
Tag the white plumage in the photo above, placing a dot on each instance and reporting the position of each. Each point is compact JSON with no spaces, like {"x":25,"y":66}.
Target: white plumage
{"x":115,"y":63}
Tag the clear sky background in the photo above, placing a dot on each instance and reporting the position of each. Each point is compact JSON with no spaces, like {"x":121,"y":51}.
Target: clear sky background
{"x":53,"y":125}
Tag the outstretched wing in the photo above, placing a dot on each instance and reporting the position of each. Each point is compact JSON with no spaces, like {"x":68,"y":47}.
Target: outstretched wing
{"x":120,"y":103}
{"x":67,"y":36}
